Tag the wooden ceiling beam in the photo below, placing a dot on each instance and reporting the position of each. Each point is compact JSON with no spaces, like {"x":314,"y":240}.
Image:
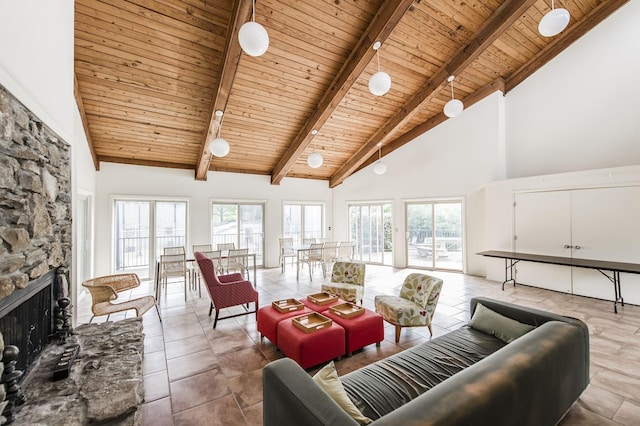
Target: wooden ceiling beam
{"x":85,"y":122}
{"x":240,"y":14}
{"x":508,"y":13}
{"x":573,"y":33}
{"x":380,"y":28}
{"x":497,"y":85}
{"x":143,"y":162}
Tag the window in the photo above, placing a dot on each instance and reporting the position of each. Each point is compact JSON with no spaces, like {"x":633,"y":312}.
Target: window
{"x":370,"y":229}
{"x":143,"y":228}
{"x":239,"y":223}
{"x":434,"y":227}
{"x":302,"y":221}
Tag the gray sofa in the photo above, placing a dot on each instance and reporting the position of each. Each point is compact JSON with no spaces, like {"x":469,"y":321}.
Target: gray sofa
{"x":465,"y":377}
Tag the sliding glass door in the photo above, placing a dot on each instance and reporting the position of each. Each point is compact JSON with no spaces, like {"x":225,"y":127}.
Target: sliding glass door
{"x":434,"y":235}
{"x":241,"y":224}
{"x":301,"y":221}
{"x":143,"y":228}
{"x":370,"y":229}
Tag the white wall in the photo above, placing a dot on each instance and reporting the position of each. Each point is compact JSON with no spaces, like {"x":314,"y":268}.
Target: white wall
{"x":580,"y":111}
{"x":454,"y":159}
{"x":36,"y":59}
{"x":115,"y":179}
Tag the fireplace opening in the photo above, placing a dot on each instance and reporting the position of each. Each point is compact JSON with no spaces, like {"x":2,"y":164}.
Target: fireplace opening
{"x":27,"y":318}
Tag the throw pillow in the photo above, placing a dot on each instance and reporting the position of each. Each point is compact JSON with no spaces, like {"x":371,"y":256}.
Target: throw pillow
{"x":327,"y":378}
{"x":491,"y":322}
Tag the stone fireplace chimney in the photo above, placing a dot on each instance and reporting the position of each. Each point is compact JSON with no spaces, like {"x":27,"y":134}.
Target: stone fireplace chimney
{"x":35,"y":207}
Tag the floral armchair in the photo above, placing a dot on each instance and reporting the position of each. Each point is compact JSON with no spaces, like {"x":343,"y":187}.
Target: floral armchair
{"x":347,"y":281}
{"x":415,"y":306}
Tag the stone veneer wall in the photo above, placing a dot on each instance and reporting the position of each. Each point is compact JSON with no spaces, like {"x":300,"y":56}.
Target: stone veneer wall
{"x":35,"y":197}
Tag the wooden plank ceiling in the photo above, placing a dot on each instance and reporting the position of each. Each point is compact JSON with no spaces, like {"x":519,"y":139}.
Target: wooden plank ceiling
{"x":150,"y":75}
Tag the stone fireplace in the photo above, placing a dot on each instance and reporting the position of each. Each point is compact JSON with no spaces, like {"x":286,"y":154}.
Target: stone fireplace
{"x":35,"y":226}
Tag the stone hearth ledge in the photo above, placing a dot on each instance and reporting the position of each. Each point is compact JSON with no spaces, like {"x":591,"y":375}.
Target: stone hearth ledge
{"x":105,"y":385}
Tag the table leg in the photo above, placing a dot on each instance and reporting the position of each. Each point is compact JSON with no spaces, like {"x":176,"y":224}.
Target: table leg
{"x":508,"y":266}
{"x":156,"y":283}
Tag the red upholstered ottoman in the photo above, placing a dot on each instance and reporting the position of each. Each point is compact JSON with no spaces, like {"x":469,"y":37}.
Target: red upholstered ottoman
{"x":360,"y":331}
{"x":268,"y":319}
{"x":309,"y":349}
{"x":320,"y":308}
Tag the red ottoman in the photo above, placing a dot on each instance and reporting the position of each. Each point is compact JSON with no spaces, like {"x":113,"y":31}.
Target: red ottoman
{"x":360,"y":331}
{"x":309,"y":349}
{"x":268,"y":319}
{"x":320,"y":308}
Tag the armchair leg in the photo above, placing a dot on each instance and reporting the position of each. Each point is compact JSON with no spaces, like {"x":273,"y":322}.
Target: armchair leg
{"x":210,"y":309}
{"x":215,"y":320}
{"x":430,"y":330}
{"x":398,"y":329}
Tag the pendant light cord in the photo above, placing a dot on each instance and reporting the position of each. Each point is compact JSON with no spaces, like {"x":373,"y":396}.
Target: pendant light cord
{"x":378,"y":57}
{"x":253,"y":14}
{"x":452,"y":97}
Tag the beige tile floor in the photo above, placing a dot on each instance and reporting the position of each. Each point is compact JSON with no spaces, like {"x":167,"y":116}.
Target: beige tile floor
{"x":195,"y":375}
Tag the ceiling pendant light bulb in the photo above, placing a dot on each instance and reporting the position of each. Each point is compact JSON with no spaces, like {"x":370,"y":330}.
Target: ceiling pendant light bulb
{"x":554,"y":21}
{"x":253,"y":37}
{"x":454,"y":107}
{"x":219,"y":146}
{"x":379,"y":167}
{"x":314,"y":160}
{"x":380,"y":82}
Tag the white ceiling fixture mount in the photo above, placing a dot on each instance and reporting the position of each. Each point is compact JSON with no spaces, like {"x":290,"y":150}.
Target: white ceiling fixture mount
{"x":253,"y":38}
{"x":554,"y":21}
{"x":380,"y":82}
{"x":218,"y":146}
{"x":315,"y":160}
{"x":454,"y":107}
{"x":379,"y":167}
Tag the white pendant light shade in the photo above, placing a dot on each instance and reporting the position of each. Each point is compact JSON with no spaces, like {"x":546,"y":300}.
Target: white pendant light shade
{"x":314,"y":160}
{"x":379,"y":168}
{"x":554,"y":22}
{"x":380,"y":83}
{"x":253,"y":38}
{"x":453,"y":108}
{"x":219,"y":147}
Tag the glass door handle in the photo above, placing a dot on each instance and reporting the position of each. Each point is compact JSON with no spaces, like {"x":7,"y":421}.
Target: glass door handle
{"x":567,"y":246}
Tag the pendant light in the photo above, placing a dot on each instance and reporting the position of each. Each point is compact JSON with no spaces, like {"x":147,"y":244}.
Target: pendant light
{"x":379,"y":167}
{"x":218,"y":146}
{"x":252,"y":36}
{"x":380,"y":82}
{"x":554,"y":21}
{"x":314,"y":160}
{"x":454,"y":107}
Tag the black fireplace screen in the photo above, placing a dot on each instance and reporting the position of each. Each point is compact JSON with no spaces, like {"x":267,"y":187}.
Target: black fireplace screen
{"x":27,"y":319}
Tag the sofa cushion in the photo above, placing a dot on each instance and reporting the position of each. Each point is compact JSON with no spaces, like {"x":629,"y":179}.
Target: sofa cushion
{"x":490,"y":322}
{"x":380,"y":388}
{"x":327,"y":379}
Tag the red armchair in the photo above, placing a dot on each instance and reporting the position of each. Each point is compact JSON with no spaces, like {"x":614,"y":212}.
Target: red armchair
{"x":226,"y":290}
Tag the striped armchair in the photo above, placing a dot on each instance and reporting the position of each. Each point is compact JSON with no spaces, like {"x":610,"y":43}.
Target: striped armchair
{"x":347,"y":281}
{"x":415,"y":306}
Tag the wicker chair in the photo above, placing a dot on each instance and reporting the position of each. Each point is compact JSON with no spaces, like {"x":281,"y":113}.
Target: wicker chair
{"x":415,"y":305}
{"x":104,"y":290}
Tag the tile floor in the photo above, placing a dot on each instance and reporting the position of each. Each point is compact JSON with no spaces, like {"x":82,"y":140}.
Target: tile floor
{"x":195,"y":375}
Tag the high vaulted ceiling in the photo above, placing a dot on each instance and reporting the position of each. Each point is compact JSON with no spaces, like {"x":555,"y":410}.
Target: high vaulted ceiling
{"x":150,"y":75}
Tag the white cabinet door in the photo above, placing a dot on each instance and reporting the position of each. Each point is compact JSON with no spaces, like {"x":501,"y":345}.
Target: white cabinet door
{"x":605,"y":225}
{"x":543,"y":226}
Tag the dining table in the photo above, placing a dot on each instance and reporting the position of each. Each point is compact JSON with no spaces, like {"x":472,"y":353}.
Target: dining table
{"x":224,"y":255}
